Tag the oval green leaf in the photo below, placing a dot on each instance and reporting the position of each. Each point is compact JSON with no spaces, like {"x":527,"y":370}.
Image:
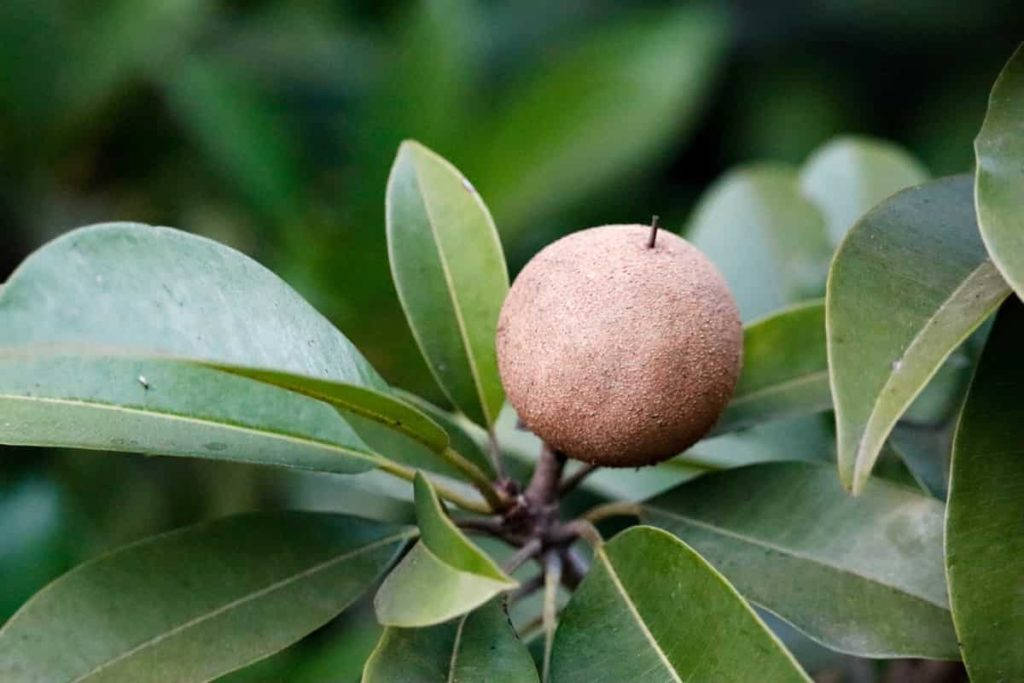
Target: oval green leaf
{"x":168,"y":407}
{"x":480,"y":646}
{"x":197,"y":602}
{"x":850,"y":174}
{"x":785,"y":535}
{"x":423,"y":590}
{"x":450,"y":273}
{"x":768,"y":241}
{"x":144,"y":289}
{"x":651,"y":608}
{"x":999,"y":175}
{"x":785,"y":369}
{"x":909,"y":283}
{"x":440,"y":535}
{"x":984,"y":543}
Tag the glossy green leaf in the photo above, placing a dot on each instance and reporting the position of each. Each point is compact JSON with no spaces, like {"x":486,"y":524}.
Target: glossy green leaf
{"x":849,"y":175}
{"x":372,"y":404}
{"x":984,"y":543}
{"x":768,"y":241}
{"x":197,"y":602}
{"x":440,"y":535}
{"x":449,"y":270}
{"x":910,"y":282}
{"x":785,"y":369}
{"x":862,"y":575}
{"x":595,"y":111}
{"x":480,"y":646}
{"x":424,"y":590}
{"x":999,"y":175}
{"x":143,"y":289}
{"x":652,"y":609}
{"x":167,"y":407}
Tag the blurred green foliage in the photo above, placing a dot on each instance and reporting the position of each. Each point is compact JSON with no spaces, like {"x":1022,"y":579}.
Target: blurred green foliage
{"x":271,"y":126}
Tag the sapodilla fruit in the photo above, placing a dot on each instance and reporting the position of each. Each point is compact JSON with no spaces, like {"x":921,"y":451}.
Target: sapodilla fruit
{"x":619,"y":353}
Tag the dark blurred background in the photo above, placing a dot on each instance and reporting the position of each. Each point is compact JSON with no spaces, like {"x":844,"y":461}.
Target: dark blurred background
{"x":271,"y":126}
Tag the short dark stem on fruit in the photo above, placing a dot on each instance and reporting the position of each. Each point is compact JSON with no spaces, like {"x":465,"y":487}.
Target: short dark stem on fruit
{"x":543,"y":486}
{"x":574,"y":568}
{"x":523,"y":555}
{"x":573,"y":480}
{"x":654,"y":232}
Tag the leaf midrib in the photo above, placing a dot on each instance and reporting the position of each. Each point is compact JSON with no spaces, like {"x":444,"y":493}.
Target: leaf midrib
{"x":782,"y":550}
{"x":282,"y":583}
{"x":452,"y":296}
{"x":163,"y":415}
{"x":631,"y":606}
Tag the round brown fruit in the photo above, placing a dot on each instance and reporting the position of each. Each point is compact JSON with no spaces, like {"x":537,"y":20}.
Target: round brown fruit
{"x":617,"y":353}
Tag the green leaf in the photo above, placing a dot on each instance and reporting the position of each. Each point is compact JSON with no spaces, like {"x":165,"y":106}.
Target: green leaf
{"x":480,"y":646}
{"x":142,"y":289}
{"x":197,"y":602}
{"x":984,"y":544}
{"x":861,"y":575}
{"x":651,"y":608}
{"x":440,"y":535}
{"x":910,"y":282}
{"x":999,"y":175}
{"x":596,"y":110}
{"x":449,"y":270}
{"x":785,"y":369}
{"x":456,"y":428}
{"x":168,"y":407}
{"x":850,"y":174}
{"x":423,"y":590}
{"x":768,"y":241}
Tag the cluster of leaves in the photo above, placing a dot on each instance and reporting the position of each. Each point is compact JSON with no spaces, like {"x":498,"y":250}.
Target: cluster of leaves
{"x":149,"y":340}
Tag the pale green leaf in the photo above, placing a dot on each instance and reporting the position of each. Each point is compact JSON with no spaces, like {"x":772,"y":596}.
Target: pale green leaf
{"x":862,"y":575}
{"x":999,"y":174}
{"x":768,"y":241}
{"x":785,"y":369}
{"x":197,"y":602}
{"x":984,"y":543}
{"x":449,"y":270}
{"x":167,"y":407}
{"x":480,"y":646}
{"x":423,"y":591}
{"x":909,"y":283}
{"x":652,"y":609}
{"x":440,"y":535}
{"x":849,"y":175}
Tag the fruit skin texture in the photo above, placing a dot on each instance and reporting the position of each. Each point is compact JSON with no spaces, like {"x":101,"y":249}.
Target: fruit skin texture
{"x":619,"y":354}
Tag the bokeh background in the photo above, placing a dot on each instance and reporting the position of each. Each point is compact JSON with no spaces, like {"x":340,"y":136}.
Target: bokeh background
{"x":271,"y":126}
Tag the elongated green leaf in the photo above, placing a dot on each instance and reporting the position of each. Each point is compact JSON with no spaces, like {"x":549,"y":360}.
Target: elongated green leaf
{"x":480,"y":646}
{"x":168,"y":407}
{"x":785,"y":369}
{"x":984,"y":544}
{"x":146,"y":289}
{"x":910,"y":282}
{"x":456,"y":428}
{"x":861,"y":575}
{"x":849,"y":175}
{"x":596,"y":111}
{"x":196,"y":602}
{"x":440,"y":535}
{"x":768,"y":241}
{"x":423,"y":591}
{"x":372,"y":404}
{"x":999,"y":176}
{"x":449,"y":270}
{"x":652,"y":609}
